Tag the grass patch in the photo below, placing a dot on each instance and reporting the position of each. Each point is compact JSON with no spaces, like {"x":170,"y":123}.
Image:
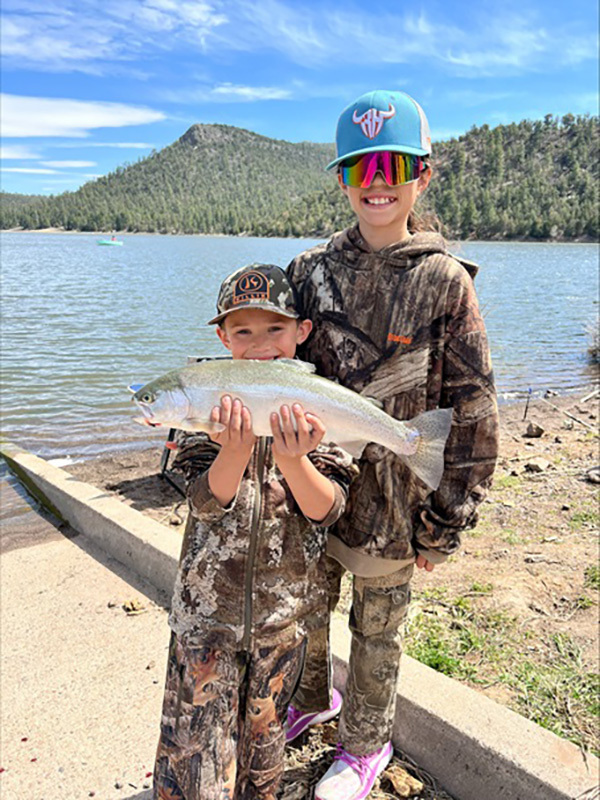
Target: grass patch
{"x":482,"y":588}
{"x":582,"y":519}
{"x":510,"y":536}
{"x":451,"y":637}
{"x":583,"y":601}
{"x":559,"y":695}
{"x":592,"y":576}
{"x":507,"y":482}
{"x":485,"y":646}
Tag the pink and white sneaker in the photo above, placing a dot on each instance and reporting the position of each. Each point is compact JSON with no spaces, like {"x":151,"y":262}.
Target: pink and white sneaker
{"x":297,"y":722}
{"x":352,"y":777}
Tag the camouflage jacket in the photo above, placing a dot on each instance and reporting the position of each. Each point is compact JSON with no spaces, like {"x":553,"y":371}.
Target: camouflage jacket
{"x":255,"y":567}
{"x":404,"y":322}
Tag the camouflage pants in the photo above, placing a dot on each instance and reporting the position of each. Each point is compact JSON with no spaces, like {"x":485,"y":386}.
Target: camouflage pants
{"x":379,"y":608}
{"x":222,"y":734}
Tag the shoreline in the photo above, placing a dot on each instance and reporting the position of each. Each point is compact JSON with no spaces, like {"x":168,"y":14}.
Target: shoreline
{"x":583,"y":240}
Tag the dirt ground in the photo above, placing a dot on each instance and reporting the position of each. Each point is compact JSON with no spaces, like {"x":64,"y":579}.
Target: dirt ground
{"x":523,"y":588}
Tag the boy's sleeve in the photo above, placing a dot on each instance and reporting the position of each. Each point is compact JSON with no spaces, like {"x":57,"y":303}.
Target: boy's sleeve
{"x":341,"y":469}
{"x":472,"y":446}
{"x":194,"y":456}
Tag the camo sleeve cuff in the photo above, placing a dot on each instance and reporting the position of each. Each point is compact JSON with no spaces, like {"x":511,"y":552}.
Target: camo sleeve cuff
{"x":202,"y":500}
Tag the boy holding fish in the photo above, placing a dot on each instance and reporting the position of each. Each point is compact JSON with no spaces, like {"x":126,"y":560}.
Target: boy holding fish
{"x":251,"y":582}
{"x":396,"y":317}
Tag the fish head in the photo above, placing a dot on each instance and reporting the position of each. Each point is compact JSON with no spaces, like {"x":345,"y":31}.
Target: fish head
{"x":160,"y":405}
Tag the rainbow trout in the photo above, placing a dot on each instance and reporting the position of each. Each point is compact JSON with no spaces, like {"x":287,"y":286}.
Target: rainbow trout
{"x":184,"y":398}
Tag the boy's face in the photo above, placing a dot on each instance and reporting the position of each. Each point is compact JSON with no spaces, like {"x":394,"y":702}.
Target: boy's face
{"x":262,"y":334}
{"x":380,"y":207}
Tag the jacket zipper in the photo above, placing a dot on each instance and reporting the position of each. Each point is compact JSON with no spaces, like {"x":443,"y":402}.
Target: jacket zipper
{"x":252,"y":547}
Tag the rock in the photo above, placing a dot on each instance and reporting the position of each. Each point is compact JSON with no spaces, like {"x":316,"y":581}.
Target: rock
{"x":538,"y":464}
{"x":557,"y":440}
{"x":565,"y":507}
{"x":134,"y":606}
{"x":534,"y":430}
{"x":550,"y":393}
{"x":404,"y":783}
{"x":593,"y":475}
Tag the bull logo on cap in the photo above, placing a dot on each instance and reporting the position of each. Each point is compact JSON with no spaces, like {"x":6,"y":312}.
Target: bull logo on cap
{"x":371,"y":122}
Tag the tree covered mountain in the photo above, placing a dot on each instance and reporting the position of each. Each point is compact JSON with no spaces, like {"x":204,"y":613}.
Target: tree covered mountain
{"x":524,"y":180}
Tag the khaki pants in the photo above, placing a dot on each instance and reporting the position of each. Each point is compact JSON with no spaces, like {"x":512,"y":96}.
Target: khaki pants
{"x":222,"y":735}
{"x":379,"y":608}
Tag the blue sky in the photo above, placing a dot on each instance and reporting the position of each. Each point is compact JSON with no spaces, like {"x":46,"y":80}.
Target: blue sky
{"x":90,"y":85}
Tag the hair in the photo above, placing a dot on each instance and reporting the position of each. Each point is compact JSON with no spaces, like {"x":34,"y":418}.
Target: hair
{"x":423,"y":220}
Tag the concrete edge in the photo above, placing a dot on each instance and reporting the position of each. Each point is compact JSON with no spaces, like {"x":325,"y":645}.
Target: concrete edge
{"x":476,"y":748}
{"x":138,"y":542}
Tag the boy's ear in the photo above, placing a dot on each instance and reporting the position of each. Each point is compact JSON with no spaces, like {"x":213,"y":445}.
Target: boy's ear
{"x":305,"y":326}
{"x":222,"y":334}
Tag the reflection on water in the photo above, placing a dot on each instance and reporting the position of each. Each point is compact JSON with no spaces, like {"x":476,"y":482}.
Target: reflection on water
{"x":81,"y":323}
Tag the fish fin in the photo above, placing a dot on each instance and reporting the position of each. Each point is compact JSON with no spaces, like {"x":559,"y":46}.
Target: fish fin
{"x":374,"y":400}
{"x":427,"y":462}
{"x":353,"y":447}
{"x":135,"y":387}
{"x":297,"y":364}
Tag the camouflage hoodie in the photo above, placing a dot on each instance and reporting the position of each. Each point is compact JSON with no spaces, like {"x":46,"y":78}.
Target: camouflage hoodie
{"x":254,"y":568}
{"x":404,"y":321}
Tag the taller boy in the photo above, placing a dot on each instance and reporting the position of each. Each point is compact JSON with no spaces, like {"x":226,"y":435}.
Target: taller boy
{"x":395,"y":312}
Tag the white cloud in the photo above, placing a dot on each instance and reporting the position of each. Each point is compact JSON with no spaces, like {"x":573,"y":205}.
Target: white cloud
{"x":73,"y":164}
{"x":496,"y":43}
{"x":31,"y":171}
{"x":228,"y":90}
{"x":44,"y":116}
{"x":79,"y":35}
{"x":227,"y":93}
{"x":17,"y":151}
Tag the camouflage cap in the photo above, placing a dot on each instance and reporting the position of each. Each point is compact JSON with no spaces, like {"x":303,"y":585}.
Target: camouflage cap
{"x":257,"y":286}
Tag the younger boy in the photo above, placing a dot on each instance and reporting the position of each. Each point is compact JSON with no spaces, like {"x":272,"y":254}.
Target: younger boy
{"x":397,"y":316}
{"x":250,"y":583}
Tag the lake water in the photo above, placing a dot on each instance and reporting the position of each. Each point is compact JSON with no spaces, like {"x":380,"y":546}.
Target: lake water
{"x":81,"y":322}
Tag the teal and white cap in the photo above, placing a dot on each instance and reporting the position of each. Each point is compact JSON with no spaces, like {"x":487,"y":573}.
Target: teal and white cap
{"x":382,"y":120}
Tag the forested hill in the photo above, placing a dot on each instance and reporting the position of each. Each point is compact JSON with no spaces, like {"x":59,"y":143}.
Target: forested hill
{"x":524,"y":180}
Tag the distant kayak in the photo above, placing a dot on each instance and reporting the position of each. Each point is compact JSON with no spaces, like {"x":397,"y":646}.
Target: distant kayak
{"x":109,"y":241}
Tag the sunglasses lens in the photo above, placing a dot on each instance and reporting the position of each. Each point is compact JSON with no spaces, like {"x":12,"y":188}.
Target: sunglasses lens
{"x":396,"y":168}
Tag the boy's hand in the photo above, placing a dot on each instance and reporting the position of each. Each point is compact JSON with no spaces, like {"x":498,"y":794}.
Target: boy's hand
{"x":422,"y":563}
{"x":236,"y":417}
{"x":290,"y":442}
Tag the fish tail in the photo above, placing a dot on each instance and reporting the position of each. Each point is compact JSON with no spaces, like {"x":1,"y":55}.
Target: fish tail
{"x":427,"y":462}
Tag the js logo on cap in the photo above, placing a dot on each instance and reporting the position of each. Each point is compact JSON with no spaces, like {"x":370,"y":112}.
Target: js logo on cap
{"x":371,"y":122}
{"x":251,"y":286}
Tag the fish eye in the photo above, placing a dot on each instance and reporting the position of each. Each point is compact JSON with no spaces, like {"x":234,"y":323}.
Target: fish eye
{"x":146,"y":397}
